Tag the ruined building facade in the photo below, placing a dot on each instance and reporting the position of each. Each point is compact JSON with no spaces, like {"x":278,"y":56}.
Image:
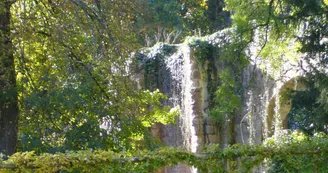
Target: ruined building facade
{"x":187,"y":79}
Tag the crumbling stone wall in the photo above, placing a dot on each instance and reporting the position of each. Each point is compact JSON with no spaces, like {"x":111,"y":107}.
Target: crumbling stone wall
{"x":183,"y":78}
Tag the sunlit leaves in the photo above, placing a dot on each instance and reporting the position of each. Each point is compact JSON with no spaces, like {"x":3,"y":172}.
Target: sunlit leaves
{"x":72,"y":60}
{"x":294,"y":152}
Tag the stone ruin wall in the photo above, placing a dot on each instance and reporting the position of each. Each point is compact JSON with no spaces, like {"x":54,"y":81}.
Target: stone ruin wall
{"x":183,"y":79}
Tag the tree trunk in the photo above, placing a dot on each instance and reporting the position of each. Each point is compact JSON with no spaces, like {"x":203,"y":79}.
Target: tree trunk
{"x":8,"y":92}
{"x":218,"y":18}
{"x":212,"y":13}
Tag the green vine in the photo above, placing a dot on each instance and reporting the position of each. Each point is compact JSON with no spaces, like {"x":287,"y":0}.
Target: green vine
{"x":202,"y":49}
{"x":151,"y":60}
{"x":295,"y":152}
{"x":226,"y":96}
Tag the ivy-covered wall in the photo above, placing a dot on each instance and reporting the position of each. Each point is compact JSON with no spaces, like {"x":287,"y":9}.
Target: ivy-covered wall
{"x":223,"y":100}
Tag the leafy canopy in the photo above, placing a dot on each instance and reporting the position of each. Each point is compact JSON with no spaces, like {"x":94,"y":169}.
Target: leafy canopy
{"x":72,"y":61}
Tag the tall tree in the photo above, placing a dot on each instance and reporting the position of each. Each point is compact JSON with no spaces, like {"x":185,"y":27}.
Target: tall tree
{"x":8,"y":92}
{"x":282,"y":29}
{"x":218,"y":19}
{"x":72,"y":63}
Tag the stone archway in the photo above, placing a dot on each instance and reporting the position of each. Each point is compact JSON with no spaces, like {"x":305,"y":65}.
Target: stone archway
{"x":280,"y":106}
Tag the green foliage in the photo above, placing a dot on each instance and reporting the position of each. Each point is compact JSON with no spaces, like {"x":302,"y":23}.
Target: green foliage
{"x":159,"y":21}
{"x":72,"y":60}
{"x":295,"y":152}
{"x":279,"y":31}
{"x":204,"y":17}
{"x":272,"y":25}
{"x":295,"y":160}
{"x":151,"y":61}
{"x":170,"y":21}
{"x":159,"y":113}
{"x":202,"y":49}
{"x":223,"y":84}
{"x":226,"y":100}
{"x":307,"y":113}
{"x":226,"y":96}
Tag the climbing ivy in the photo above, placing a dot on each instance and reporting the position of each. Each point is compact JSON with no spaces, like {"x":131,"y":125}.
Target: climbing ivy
{"x":292,"y":153}
{"x":226,"y":100}
{"x":151,"y":61}
{"x":226,"y":58}
{"x":202,"y":49}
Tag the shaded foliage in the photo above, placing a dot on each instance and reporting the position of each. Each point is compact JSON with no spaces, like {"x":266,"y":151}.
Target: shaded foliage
{"x":280,"y":30}
{"x":73,"y":60}
{"x":295,"y":152}
{"x":307,"y":113}
{"x":170,"y":21}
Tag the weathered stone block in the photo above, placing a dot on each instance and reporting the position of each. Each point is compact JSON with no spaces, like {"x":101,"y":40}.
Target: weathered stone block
{"x":198,"y":125}
{"x":199,"y":131}
{"x":198,"y":114}
{"x":210,"y":121}
{"x":196,"y":107}
{"x":210,"y":130}
{"x":196,"y":96}
{"x":196,"y":89}
{"x":214,"y":139}
{"x":197,"y":121}
{"x":196,"y":83}
{"x":196,"y":74}
{"x":194,"y":66}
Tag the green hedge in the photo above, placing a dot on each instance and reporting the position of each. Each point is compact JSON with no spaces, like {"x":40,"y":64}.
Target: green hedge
{"x":292,"y":153}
